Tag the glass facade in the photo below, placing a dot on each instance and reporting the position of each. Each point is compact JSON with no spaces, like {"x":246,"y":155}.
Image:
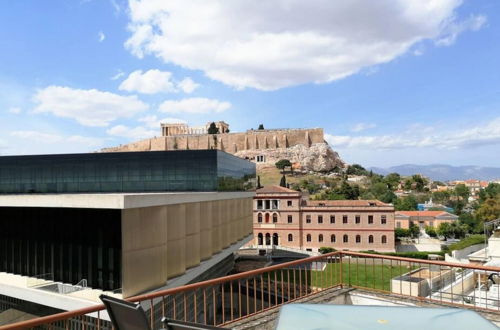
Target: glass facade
{"x":151,"y":171}
{"x":62,"y":244}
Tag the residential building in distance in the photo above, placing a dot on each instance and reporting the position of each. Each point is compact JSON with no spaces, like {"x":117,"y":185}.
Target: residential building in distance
{"x":404,"y":219}
{"x":76,"y":225}
{"x":283,"y":218}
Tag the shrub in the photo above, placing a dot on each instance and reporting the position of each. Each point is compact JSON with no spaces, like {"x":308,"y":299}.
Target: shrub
{"x":413,"y":254}
{"x":466,"y":242}
{"x":325,"y":249}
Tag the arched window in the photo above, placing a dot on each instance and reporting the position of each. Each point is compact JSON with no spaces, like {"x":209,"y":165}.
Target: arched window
{"x":260,"y":239}
{"x":346,"y":239}
{"x":384,"y":239}
{"x":259,"y":217}
{"x":320,"y":238}
{"x":267,"y":217}
{"x":275,"y":239}
{"x":308,"y":237}
{"x":333,"y":238}
{"x":290,"y":237}
{"x":268,"y":239}
{"x":358,"y":238}
{"x":370,"y":239}
{"x":275,"y":218}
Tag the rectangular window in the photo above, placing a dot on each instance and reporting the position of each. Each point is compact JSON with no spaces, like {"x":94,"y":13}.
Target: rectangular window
{"x":268,"y":204}
{"x":398,"y":224}
{"x":308,"y":219}
{"x":320,"y":219}
{"x":290,"y":220}
{"x":260,"y":204}
{"x":383,"y":219}
{"x":344,"y":219}
{"x":358,"y":219}
{"x":431,"y":223}
{"x":289,"y":203}
{"x":332,"y":219}
{"x":274,"y":204}
{"x":370,"y":219}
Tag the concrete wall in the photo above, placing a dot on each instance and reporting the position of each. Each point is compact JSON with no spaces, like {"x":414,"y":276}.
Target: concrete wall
{"x":229,"y":142}
{"x":161,"y":242}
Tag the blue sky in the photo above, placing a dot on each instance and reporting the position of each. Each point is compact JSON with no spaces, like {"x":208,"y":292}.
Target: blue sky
{"x":391,"y":82}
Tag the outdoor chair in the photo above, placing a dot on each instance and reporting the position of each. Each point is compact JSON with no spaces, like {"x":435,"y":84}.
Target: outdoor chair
{"x":129,"y":316}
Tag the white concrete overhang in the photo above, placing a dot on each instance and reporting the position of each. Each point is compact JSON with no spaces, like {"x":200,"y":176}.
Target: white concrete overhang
{"x":118,"y":201}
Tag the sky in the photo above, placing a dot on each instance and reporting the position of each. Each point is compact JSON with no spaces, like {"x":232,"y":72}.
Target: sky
{"x":390,"y":81}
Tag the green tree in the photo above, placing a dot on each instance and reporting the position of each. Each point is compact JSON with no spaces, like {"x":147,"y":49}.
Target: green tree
{"x":442,"y":197}
{"x":491,"y":191}
{"x":419,"y":182}
{"x":261,"y":127}
{"x":430,"y":231}
{"x":212,"y":129}
{"x":348,"y":191}
{"x":444,"y":230}
{"x":401,"y":232}
{"x":414,"y":230}
{"x":282,"y":163}
{"x":392,"y":180}
{"x":379,"y":189}
{"x":325,"y":249}
{"x":461,"y":190}
{"x":283,"y":181}
{"x":258,"y":182}
{"x":408,"y":203}
{"x":389,"y":197}
{"x":356,"y":169}
{"x":489,"y":209}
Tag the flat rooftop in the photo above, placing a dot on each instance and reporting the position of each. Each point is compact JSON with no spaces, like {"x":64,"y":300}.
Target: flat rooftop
{"x":116,"y":200}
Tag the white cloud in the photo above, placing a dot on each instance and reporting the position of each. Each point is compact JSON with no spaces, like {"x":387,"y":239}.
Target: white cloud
{"x":50,"y":138}
{"x":156,"y":81}
{"x":118,"y":75}
{"x":362,"y":126}
{"x":101,"y":36}
{"x":453,"y":30}
{"x":475,"y":136}
{"x":88,"y":107}
{"x":187,"y":85}
{"x":149,"y":82}
{"x":15,"y":110}
{"x":153,"y":121}
{"x":283,"y":43}
{"x":136,"y":133}
{"x":194,"y":105}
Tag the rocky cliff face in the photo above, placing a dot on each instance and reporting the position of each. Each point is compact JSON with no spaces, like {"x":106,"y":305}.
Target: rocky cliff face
{"x":319,"y":157}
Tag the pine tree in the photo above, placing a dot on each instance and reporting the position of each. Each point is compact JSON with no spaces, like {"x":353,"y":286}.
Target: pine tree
{"x":283,"y":181}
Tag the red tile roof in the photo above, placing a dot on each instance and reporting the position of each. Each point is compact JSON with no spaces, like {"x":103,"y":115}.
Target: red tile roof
{"x":434,"y":214}
{"x":421,"y":213}
{"x":347,"y":203}
{"x":275,"y":190}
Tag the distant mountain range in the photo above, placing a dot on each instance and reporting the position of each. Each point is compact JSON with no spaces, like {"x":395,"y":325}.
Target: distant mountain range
{"x":443,"y":172}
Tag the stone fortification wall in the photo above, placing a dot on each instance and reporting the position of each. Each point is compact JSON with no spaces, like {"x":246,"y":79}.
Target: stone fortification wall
{"x":229,"y":142}
{"x":305,"y":148}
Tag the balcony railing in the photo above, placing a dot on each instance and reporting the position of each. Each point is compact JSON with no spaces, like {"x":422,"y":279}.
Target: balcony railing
{"x":231,"y":298}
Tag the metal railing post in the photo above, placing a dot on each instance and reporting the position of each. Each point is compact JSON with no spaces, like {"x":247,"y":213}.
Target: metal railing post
{"x":340,"y":267}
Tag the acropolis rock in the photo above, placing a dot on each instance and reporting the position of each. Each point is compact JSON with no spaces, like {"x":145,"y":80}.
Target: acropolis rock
{"x":306,"y":148}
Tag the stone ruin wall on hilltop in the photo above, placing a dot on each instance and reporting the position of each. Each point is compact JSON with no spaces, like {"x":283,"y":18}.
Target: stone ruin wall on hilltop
{"x":229,"y":142}
{"x":305,"y":148}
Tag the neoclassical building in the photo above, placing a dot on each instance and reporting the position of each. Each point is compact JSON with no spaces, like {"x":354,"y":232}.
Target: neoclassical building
{"x":283,"y":218}
{"x":404,"y":219}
